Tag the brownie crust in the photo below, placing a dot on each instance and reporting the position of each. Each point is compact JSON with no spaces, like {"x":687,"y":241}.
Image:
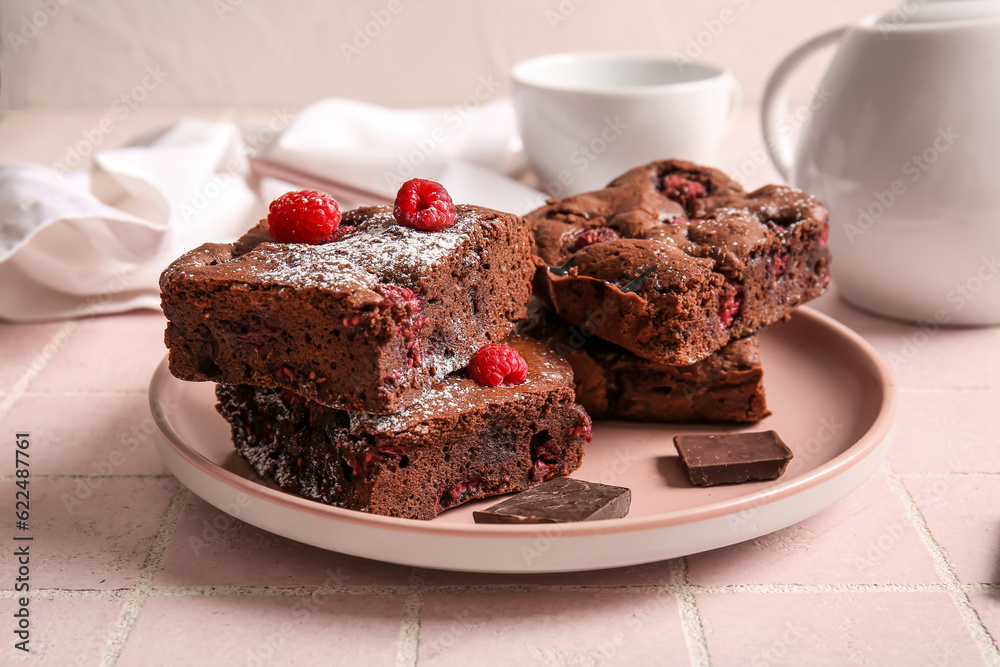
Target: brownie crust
{"x":364,"y":323}
{"x":675,"y":279}
{"x":456,"y":442}
{"x":612,"y":383}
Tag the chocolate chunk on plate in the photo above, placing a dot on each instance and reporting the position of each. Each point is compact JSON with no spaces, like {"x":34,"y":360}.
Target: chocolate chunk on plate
{"x":732,"y":458}
{"x":560,"y":500}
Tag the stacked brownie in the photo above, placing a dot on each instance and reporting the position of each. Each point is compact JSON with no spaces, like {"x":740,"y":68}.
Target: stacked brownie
{"x":657,"y":285}
{"x":613,"y":383}
{"x":341,"y":362}
{"x":368,"y":360}
{"x":456,"y":442}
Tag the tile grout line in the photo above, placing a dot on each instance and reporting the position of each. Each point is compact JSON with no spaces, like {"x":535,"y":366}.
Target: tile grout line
{"x":976,"y":389}
{"x":822,"y":588}
{"x":72,"y":478}
{"x":498,"y":589}
{"x":945,"y":475}
{"x":993,"y":587}
{"x":691,"y":621}
{"x":136,"y":596}
{"x":57,"y":393}
{"x":41,"y":593}
{"x":38,"y":364}
{"x":274,"y":591}
{"x":946,"y":571}
{"x":162,"y":476}
{"x":408,"y":648}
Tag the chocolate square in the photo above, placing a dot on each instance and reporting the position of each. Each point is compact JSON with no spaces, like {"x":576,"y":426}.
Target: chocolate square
{"x":732,"y":458}
{"x":558,"y":501}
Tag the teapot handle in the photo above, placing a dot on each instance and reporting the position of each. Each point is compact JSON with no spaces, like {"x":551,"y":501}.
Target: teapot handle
{"x":775,"y":102}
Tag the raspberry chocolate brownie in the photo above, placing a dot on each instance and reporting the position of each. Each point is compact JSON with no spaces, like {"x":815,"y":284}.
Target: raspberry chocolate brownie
{"x":361,"y":312}
{"x":457,"y":441}
{"x":673,"y":260}
{"x":613,"y":383}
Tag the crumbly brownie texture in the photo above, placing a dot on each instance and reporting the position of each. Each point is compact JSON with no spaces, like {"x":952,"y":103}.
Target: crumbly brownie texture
{"x":363,"y":323}
{"x":613,"y":383}
{"x":674,"y":272}
{"x":456,"y":442}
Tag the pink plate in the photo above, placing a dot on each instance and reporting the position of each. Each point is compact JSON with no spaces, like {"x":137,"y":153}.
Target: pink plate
{"x":832,"y":399}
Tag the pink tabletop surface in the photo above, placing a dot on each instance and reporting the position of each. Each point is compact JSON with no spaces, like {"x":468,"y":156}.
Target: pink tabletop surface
{"x":129,"y":568}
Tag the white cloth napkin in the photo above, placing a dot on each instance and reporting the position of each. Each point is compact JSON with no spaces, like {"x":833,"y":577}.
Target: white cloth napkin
{"x":371,"y":150}
{"x":95,"y":241}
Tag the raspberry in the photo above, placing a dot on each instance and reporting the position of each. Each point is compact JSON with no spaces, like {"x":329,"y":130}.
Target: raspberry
{"x":592,"y":236}
{"x":781,"y":263}
{"x":495,"y":365}
{"x":583,"y":427}
{"x":424,"y":205}
{"x":730,"y":307}
{"x":682,"y":190}
{"x":303,"y":216}
{"x":545,"y":465}
{"x":461,"y":491}
{"x":393,"y":294}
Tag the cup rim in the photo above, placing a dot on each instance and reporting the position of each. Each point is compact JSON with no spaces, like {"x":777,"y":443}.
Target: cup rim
{"x":521,"y":72}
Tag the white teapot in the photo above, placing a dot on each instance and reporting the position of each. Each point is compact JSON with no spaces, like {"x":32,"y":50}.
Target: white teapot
{"x":903,"y":146}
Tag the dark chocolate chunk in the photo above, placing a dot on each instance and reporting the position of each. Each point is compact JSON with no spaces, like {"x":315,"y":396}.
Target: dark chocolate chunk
{"x":563,"y":269}
{"x":732,"y":458}
{"x":636,"y":283}
{"x":558,"y":501}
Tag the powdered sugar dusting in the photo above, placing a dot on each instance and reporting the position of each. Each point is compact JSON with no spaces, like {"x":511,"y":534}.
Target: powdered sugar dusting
{"x":300,"y":269}
{"x":458,"y":394}
{"x":391,"y":251}
{"x":377,"y":251}
{"x":454,"y":395}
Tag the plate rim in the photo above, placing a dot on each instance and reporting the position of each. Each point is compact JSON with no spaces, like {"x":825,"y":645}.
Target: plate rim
{"x":864,"y":446}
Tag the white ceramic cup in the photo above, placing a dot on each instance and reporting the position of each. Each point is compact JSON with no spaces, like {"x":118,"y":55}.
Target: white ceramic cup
{"x":587,"y":117}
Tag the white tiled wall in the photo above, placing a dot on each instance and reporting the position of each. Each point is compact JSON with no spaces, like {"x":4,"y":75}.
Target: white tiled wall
{"x":73,"y":53}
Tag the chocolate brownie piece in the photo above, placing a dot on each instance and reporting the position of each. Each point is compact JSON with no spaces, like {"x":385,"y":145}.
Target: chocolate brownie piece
{"x":613,"y":383}
{"x":456,"y":442}
{"x":363,"y":323}
{"x":673,"y":260}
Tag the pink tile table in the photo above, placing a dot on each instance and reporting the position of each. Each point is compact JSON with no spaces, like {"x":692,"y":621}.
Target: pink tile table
{"x":128,"y":568}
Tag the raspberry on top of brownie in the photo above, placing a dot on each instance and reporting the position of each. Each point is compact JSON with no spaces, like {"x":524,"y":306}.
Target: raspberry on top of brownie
{"x":362,"y":314}
{"x":673,"y":260}
{"x":457,"y":441}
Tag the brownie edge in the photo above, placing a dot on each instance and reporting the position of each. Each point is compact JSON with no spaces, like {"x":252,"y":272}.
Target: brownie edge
{"x":363,"y":323}
{"x":612,"y":383}
{"x":673,"y":260}
{"x":456,"y":442}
